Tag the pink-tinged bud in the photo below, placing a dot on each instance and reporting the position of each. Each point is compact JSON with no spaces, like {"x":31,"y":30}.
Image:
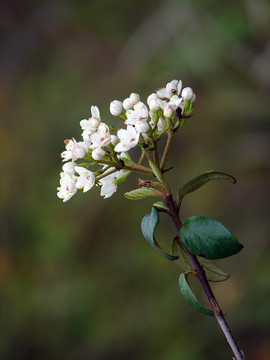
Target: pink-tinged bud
{"x":127,"y":104}
{"x":187,"y":94}
{"x":154,"y":106}
{"x":94,"y":122}
{"x":98,"y":154}
{"x":142,"y":126}
{"x":168,"y":111}
{"x":193,"y":98}
{"x":79,"y":152}
{"x":151,"y":97}
{"x":134,"y":98}
{"x":114,"y":140}
{"x":116,"y":107}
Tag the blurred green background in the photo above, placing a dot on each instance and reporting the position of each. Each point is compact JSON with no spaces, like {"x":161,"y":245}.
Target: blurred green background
{"x":78,"y":281}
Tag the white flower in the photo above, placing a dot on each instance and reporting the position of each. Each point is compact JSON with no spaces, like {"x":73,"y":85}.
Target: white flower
{"x":109,"y":187}
{"x":101,"y":137}
{"x":69,"y":167}
{"x":156,"y":104}
{"x":172,"y":88}
{"x":163,"y":93}
{"x":86,"y":180}
{"x":128,"y":139}
{"x":151,"y":97}
{"x":187,"y":94}
{"x":114,"y":140}
{"x":74,"y":150}
{"x":91,"y":124}
{"x":134,"y":98}
{"x":174,"y":102}
{"x":86,"y":136}
{"x":123,"y":155}
{"x":168,"y":111}
{"x":142,"y":126}
{"x":95,"y":112}
{"x":67,"y":186}
{"x":193,"y":97}
{"x":98,"y":154}
{"x":127,"y":104}
{"x":140,"y":112}
{"x":116,"y":107}
{"x":161,"y":124}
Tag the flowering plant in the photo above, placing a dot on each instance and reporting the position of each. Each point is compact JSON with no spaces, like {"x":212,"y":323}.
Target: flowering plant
{"x":107,"y":162}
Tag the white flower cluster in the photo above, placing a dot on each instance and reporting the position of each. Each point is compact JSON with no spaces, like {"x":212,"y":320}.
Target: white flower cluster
{"x":100,"y":147}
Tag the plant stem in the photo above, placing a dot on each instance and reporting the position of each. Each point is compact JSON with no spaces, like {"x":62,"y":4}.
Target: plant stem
{"x":166,"y":150}
{"x":200,"y":273}
{"x":139,"y":168}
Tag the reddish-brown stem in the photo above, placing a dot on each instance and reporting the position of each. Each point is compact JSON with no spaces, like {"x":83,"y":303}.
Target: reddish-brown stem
{"x":200,"y":273}
{"x":140,"y":169}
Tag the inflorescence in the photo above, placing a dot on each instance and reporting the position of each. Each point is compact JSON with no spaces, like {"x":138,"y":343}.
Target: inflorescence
{"x":107,"y":154}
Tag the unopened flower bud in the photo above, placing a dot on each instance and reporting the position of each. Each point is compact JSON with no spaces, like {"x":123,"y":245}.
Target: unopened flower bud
{"x":154,"y":106}
{"x":69,"y":167}
{"x":114,"y":140}
{"x":94,"y":122}
{"x":187,"y":94}
{"x":151,"y":97}
{"x":193,"y":98}
{"x":134,"y":98}
{"x":127,"y":104}
{"x":168,"y":111}
{"x":79,"y":152}
{"x":142,"y":126}
{"x":98,"y":154}
{"x":116,"y":108}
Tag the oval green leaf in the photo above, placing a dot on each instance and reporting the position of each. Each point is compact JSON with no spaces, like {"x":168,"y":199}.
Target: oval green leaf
{"x":200,"y":180}
{"x":140,"y":193}
{"x":208,"y":238}
{"x":212,"y":272}
{"x":190,"y":297}
{"x":149,"y":224}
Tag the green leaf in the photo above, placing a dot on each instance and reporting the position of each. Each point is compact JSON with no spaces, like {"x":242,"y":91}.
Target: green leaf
{"x":122,"y":178}
{"x":140,"y":193}
{"x":156,"y":171}
{"x":208,"y":238}
{"x":200,"y":180}
{"x":212,"y":272}
{"x":149,"y":224}
{"x":190,"y":297}
{"x":160,"y":206}
{"x":183,"y":260}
